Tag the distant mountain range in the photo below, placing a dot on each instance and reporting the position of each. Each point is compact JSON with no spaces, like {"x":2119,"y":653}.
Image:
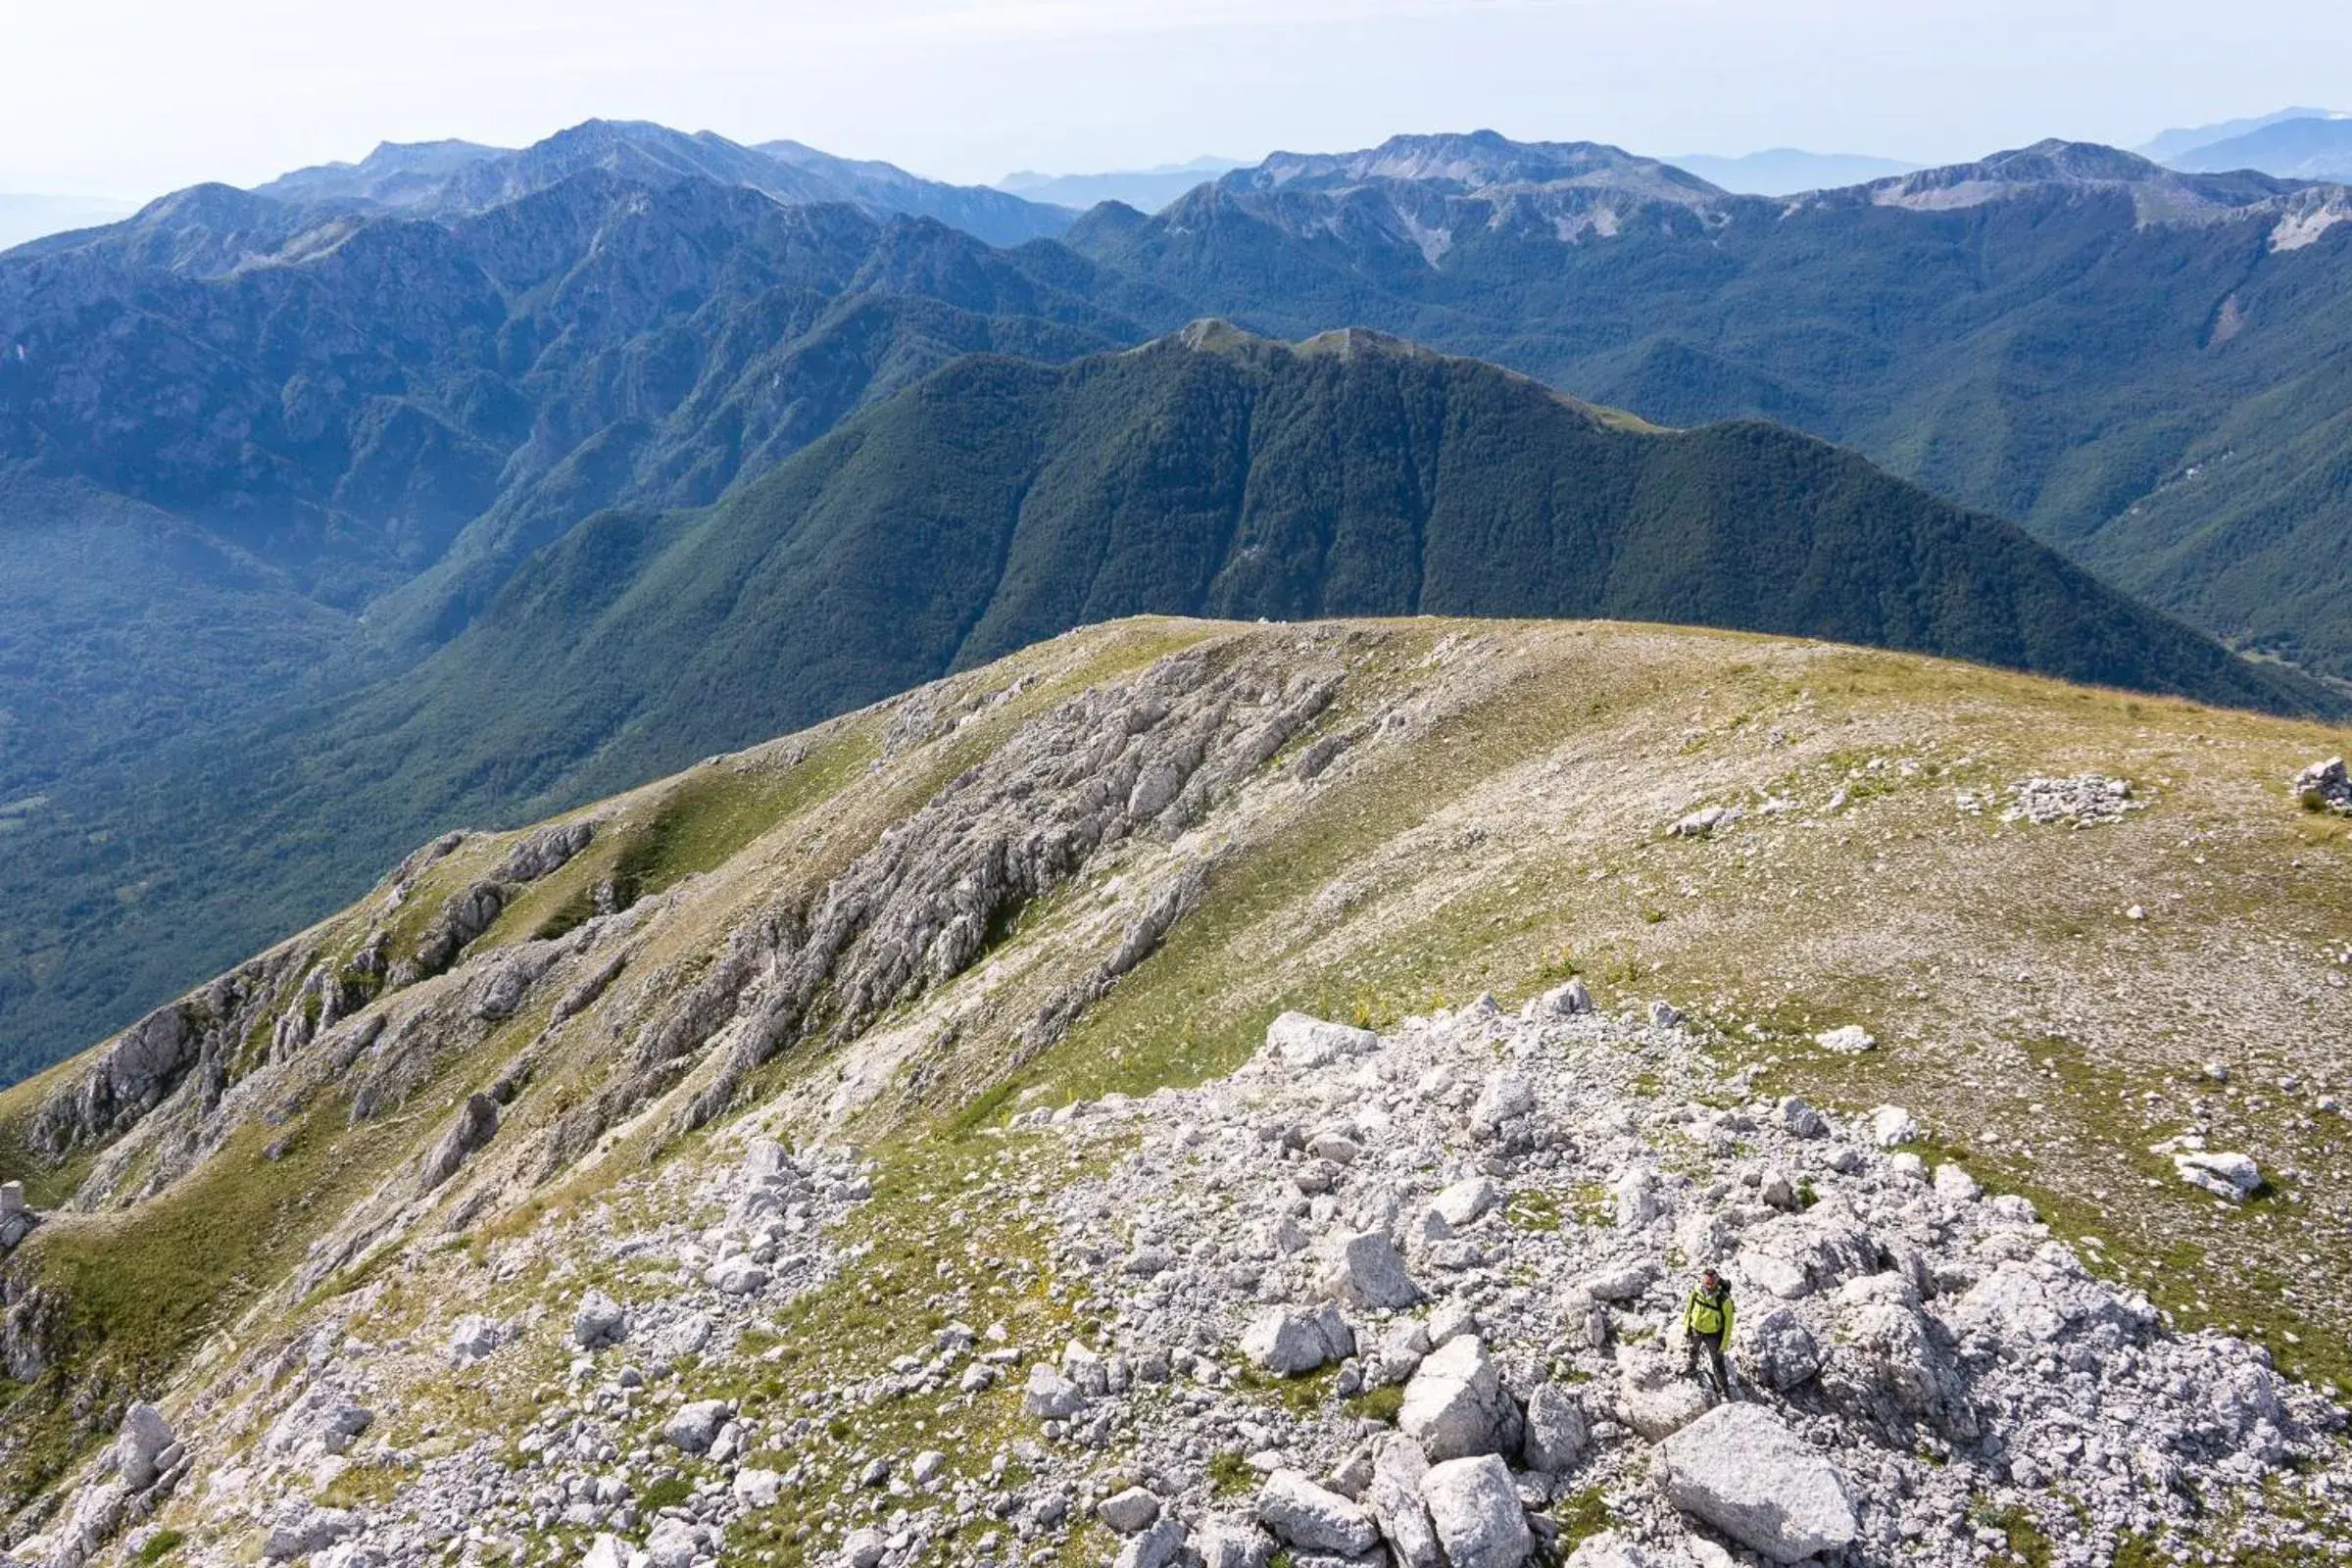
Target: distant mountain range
{"x":1000,"y":501}
{"x":1146,"y":190}
{"x":446,"y":179}
{"x":2165,"y":146}
{"x":2304,"y":148}
{"x":2142,"y":366}
{"x":1787,"y":170}
{"x":268,"y":458}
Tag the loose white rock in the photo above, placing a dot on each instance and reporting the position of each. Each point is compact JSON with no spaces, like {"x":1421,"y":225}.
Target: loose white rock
{"x":1304,"y":1043}
{"x":1477,"y":1513}
{"x":1310,"y":1517}
{"x":1740,"y":1469}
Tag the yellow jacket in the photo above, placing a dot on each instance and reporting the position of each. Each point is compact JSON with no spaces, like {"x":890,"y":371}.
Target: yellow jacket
{"x":1709,"y":1314}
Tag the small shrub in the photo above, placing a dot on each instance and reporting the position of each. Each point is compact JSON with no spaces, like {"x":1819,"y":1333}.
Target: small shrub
{"x":1580,"y":1515}
{"x":1230,"y":1475}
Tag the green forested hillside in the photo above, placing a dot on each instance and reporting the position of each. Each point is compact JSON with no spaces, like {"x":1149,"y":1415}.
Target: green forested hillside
{"x":1216,"y":473}
{"x":1001,"y":500}
{"x":2144,"y":369}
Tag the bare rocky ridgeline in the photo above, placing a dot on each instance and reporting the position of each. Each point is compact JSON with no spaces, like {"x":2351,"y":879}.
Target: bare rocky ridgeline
{"x":776,"y":1164}
{"x":1369,"y":1299}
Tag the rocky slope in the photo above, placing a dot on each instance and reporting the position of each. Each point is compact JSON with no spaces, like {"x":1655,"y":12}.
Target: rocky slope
{"x":890,"y":1144}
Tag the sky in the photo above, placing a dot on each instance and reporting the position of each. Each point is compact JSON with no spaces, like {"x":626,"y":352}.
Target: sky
{"x":129,"y":98}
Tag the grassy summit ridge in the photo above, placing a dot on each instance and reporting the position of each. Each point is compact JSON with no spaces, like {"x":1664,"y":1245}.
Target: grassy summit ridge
{"x":1402,"y":815}
{"x":1001,"y":501}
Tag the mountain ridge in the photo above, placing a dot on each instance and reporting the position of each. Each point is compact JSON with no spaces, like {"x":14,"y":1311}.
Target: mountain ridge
{"x":2055,"y":334}
{"x":1020,"y":976}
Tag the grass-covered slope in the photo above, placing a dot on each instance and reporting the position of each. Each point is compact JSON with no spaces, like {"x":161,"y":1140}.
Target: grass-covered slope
{"x":1000,"y":501}
{"x":1213,"y":474}
{"x":1102,"y":865}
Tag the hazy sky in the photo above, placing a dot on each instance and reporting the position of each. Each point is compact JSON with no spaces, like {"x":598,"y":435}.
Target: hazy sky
{"x":132,"y":97}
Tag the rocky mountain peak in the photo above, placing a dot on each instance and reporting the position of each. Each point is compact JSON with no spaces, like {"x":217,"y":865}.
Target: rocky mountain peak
{"x":392,"y":174}
{"x":1478,"y":161}
{"x":2158,"y":192}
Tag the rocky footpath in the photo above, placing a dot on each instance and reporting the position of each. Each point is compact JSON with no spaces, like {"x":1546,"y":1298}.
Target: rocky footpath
{"x":1411,"y":1297}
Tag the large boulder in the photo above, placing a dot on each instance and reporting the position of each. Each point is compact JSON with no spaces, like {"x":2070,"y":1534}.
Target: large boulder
{"x":1892,"y":1127}
{"x":599,"y":1321}
{"x":1467,"y":1200}
{"x":1507,"y":1097}
{"x":1050,"y":1396}
{"x":1560,"y":1002}
{"x":1654,"y":1396}
{"x":1154,"y":1546}
{"x":1456,"y":1406}
{"x":1129,"y":1512}
{"x":1796,"y":1254}
{"x":695,"y":1427}
{"x":1287,"y":1341}
{"x":473,"y":1337}
{"x":1312,"y":1518}
{"x":320,"y":1423}
{"x":1395,"y":1497}
{"x":1558,"y":1432}
{"x":2024,"y":1308}
{"x":301,"y":1528}
{"x":140,"y":1445}
{"x":1776,"y":1351}
{"x":1364,"y":1269}
{"x":1302,"y":1042}
{"x":1231,"y":1543}
{"x":2231,"y":1176}
{"x":1740,"y":1469}
{"x":738,"y":1275}
{"x":1896,"y":1361}
{"x":1476,"y":1512}
{"x":2324,"y":787}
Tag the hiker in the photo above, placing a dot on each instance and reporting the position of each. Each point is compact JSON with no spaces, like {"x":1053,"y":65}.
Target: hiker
{"x":1708,"y":1321}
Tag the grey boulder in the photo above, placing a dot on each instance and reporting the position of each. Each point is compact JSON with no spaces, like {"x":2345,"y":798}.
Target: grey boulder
{"x":1454,"y":1405}
{"x":473,"y":1337}
{"x":1050,"y":1396}
{"x":1231,"y":1543}
{"x":1653,"y":1397}
{"x":1287,"y":1341}
{"x":1395,"y":1497}
{"x":695,"y":1427}
{"x":1310,"y":1517}
{"x":599,"y":1321}
{"x":1476,"y":1512}
{"x":1740,"y":1469}
{"x":142,"y":1439}
{"x":1128,"y":1512}
{"x":1302,"y":1042}
{"x":1154,"y":1546}
{"x":1558,"y":1432}
{"x":1364,"y":1269}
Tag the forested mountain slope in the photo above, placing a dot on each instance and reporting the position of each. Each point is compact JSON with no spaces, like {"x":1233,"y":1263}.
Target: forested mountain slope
{"x":2143,"y":367}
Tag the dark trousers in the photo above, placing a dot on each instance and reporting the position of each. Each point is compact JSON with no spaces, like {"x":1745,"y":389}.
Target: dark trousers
{"x":1691,"y":1342}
